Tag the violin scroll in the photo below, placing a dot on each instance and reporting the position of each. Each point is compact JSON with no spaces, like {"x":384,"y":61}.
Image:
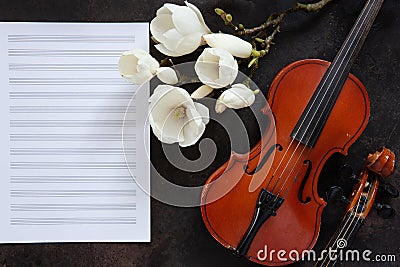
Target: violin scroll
{"x":381,"y":162}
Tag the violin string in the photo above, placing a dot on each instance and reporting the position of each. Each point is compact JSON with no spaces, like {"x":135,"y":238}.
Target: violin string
{"x":369,"y":198}
{"x":304,"y":120}
{"x":339,"y":236}
{"x":352,"y":224}
{"x":360,"y":30}
{"x":333,"y":249}
{"x":331,"y":243}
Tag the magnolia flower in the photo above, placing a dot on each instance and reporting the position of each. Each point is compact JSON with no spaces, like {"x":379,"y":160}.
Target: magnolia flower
{"x":234,"y":45}
{"x":216,"y":67}
{"x":238,"y":96}
{"x":174,"y":117}
{"x":179,"y":29}
{"x":202,"y":92}
{"x":137,"y":66}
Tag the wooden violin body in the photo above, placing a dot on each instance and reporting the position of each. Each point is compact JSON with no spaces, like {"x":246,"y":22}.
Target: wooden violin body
{"x":265,"y":206}
{"x":293,"y":170}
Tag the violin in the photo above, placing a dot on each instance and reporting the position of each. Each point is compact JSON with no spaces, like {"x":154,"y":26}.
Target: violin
{"x":268,"y":198}
{"x":379,"y":165}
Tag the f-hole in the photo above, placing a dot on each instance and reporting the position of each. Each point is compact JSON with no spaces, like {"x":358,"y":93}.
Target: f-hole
{"x":303,"y":183}
{"x":264,"y":159}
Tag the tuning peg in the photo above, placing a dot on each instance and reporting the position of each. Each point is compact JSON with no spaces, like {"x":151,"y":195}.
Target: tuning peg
{"x":345,"y":200}
{"x":347,"y":172}
{"x":334,"y":193}
{"x":384,"y":211}
{"x":389,"y":189}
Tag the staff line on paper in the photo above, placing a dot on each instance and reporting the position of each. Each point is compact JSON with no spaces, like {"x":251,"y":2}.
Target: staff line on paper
{"x":72,"y":193}
{"x":71,"y":95}
{"x":72,"y":123}
{"x":70,"y":165}
{"x":62,"y":67}
{"x":41,"y":179}
{"x":64,"y":53}
{"x":65,"y":81}
{"x":71,"y":109}
{"x":71,"y":137}
{"x":26,"y":38}
{"x":72,"y":221}
{"x":71,"y":206}
{"x":71,"y":151}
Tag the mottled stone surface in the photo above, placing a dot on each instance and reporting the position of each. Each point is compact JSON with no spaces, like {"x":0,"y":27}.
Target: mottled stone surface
{"x":179,"y":237}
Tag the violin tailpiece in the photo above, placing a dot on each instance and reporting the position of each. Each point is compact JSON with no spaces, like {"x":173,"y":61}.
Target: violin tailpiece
{"x":267,"y":205}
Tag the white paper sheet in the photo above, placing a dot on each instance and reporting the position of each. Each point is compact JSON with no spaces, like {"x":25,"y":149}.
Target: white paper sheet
{"x":62,"y":105}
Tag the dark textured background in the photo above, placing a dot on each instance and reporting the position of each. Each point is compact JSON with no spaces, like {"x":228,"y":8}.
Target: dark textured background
{"x":179,"y":237}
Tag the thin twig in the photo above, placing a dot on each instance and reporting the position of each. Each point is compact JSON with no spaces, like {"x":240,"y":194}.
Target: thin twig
{"x":271,"y":21}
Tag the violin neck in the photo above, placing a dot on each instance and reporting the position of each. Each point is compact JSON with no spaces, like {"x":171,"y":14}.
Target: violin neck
{"x":341,"y":240}
{"x":355,"y":40}
{"x":314,"y":117}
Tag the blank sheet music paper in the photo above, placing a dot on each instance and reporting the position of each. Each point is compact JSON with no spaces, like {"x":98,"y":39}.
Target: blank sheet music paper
{"x":64,"y":176}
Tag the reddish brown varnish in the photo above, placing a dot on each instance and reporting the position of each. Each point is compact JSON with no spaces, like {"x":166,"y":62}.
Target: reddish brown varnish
{"x":296,"y":225}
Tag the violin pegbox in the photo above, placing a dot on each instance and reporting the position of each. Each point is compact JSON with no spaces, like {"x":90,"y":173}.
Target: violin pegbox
{"x":373,"y":177}
{"x":382,"y":163}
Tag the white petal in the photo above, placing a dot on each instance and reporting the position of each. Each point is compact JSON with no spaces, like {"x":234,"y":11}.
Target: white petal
{"x":164,"y":10}
{"x":200,"y":17}
{"x":127,"y":64}
{"x":167,"y":75}
{"x":172,"y":39}
{"x":192,"y":133}
{"x":202,"y":92}
{"x":172,"y":128}
{"x":147,"y":65}
{"x":165,"y":51}
{"x":139,"y":78}
{"x":159,"y":91}
{"x":193,"y":128}
{"x":159,"y":25}
{"x":189,"y":43}
{"x":234,"y":45}
{"x":239,"y":96}
{"x":171,"y":7}
{"x":158,"y":131}
{"x":170,"y":96}
{"x":203,"y":111}
{"x":219,"y":106}
{"x":186,"y":21}
{"x":208,"y":72}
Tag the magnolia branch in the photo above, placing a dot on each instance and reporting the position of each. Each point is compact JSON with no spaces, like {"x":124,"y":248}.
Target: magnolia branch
{"x":262,"y":35}
{"x":273,"y":20}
